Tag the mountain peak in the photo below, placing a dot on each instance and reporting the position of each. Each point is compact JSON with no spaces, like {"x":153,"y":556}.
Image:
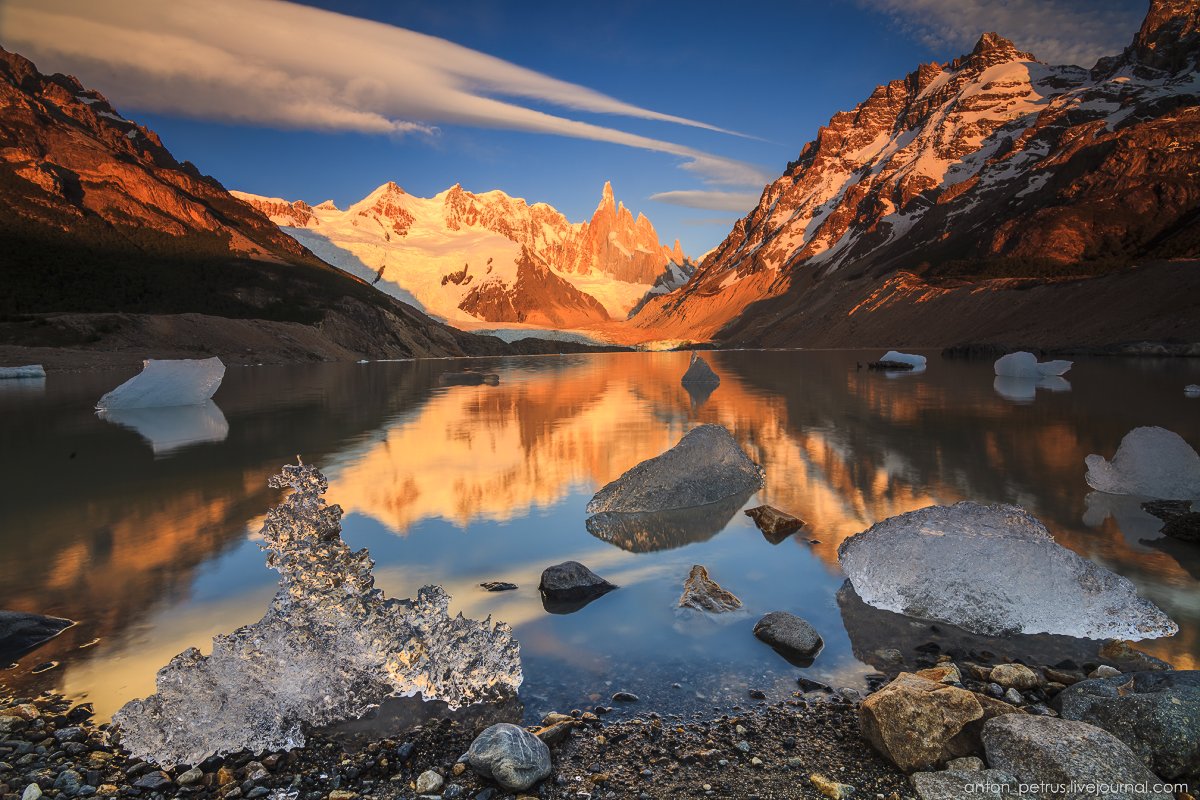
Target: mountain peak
{"x":607,"y":194}
{"x":1169,"y":36}
{"x":991,"y":41}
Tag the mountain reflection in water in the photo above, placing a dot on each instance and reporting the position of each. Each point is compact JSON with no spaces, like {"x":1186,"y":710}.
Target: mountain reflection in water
{"x":459,"y":484}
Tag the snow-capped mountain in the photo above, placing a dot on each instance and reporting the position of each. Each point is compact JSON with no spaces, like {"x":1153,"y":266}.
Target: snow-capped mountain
{"x":488,"y":258}
{"x":994,"y":165}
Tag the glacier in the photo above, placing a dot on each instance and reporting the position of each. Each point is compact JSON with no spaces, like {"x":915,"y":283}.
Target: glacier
{"x":329,"y":648}
{"x":21,"y":373}
{"x":1151,"y":462}
{"x":993,"y":570}
{"x":1025,"y":365}
{"x":167,"y":382}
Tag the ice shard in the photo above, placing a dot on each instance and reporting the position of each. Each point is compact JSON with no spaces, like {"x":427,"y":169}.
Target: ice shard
{"x":22,"y":373}
{"x":167,"y":382}
{"x":993,"y":570}
{"x":894,"y":357}
{"x":1025,"y":365}
{"x":1150,"y":462}
{"x":329,"y":648}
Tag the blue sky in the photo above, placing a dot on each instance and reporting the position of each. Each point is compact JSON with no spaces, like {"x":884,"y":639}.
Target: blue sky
{"x":282,"y":100}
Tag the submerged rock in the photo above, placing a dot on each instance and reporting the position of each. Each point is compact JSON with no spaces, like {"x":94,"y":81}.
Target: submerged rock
{"x":330,"y":647}
{"x":790,"y":636}
{"x":22,"y":373}
{"x":511,"y":756}
{"x":702,"y":593}
{"x":706,"y":465}
{"x":469,"y":378}
{"x":570,"y":586}
{"x":21,"y":632}
{"x":1156,"y":713}
{"x":1046,"y":750}
{"x":775,"y":525}
{"x":699,"y":373}
{"x":993,"y":570}
{"x":167,"y":382}
{"x":1151,"y":462}
{"x":498,"y":586}
{"x":1025,"y":365}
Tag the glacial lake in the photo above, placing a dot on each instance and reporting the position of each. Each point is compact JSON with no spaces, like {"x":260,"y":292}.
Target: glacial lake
{"x":144,"y":530}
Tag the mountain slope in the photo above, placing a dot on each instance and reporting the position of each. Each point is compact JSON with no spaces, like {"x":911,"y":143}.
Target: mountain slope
{"x":992,"y":166}
{"x":97,"y":217}
{"x":475,"y":259}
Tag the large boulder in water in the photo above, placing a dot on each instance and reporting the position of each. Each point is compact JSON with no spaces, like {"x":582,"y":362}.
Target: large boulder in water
{"x":706,"y":465}
{"x":1151,"y":462}
{"x":570,"y":586}
{"x":511,"y":756}
{"x":1045,"y":750}
{"x":1156,"y":713}
{"x":699,"y":373}
{"x":21,"y":632}
{"x":791,"y":636}
{"x":993,"y":570}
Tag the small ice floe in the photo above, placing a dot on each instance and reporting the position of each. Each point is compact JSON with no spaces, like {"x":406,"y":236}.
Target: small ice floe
{"x":1024,"y":390}
{"x":1192,"y":390}
{"x":172,"y":428}
{"x":167,"y":382}
{"x":1150,"y":462}
{"x":22,"y":373}
{"x":993,"y":570}
{"x":329,"y":648}
{"x":1025,"y":365}
{"x":895,"y":361}
{"x":705,"y":466}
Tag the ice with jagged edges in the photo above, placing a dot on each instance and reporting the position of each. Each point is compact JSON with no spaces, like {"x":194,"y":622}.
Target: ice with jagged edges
{"x":995,"y":571}
{"x":917,"y":362}
{"x":167,"y":382}
{"x":329,"y":648}
{"x":22,"y":373}
{"x":1150,"y":462}
{"x":1025,"y":365}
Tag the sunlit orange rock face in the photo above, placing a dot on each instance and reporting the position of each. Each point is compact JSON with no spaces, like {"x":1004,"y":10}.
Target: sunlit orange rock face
{"x":994,"y":165}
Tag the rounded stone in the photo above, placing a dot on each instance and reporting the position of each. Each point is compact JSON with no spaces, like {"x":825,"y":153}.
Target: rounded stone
{"x":510,"y":755}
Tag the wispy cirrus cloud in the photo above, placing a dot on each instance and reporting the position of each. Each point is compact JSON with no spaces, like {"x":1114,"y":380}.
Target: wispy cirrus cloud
{"x":276,"y":63}
{"x":1055,"y":31}
{"x":740,"y":202}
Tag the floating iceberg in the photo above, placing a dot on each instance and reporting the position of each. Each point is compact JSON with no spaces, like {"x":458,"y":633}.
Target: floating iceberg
{"x":706,"y":465}
{"x":162,"y":382}
{"x":993,"y":570}
{"x":329,"y":648}
{"x":1151,"y":462}
{"x":18,"y":373}
{"x":1192,"y":390}
{"x":172,"y":428}
{"x":1024,"y":390}
{"x":1025,"y":365}
{"x":891,"y":356}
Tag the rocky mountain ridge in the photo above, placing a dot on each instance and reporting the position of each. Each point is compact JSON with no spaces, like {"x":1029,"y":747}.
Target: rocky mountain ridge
{"x":489,"y":258}
{"x":992,"y":166}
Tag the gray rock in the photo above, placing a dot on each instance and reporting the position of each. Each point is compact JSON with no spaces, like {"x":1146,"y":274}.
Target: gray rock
{"x":706,"y":465}
{"x":965,"y":764}
{"x":510,"y":755}
{"x":792,"y":637}
{"x":193,"y":775}
{"x":1056,"y":751}
{"x":1156,"y":713}
{"x":702,"y":593}
{"x":32,"y":792}
{"x":21,"y":632}
{"x":429,"y":782}
{"x":956,"y":784}
{"x":571,"y":585}
{"x":699,"y":373}
{"x":154,"y":781}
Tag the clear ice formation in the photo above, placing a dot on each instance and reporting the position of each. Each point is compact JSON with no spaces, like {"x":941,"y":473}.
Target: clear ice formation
{"x":329,"y":648}
{"x":167,"y":382}
{"x":918,"y":362}
{"x":706,"y":465}
{"x":19,"y":373}
{"x":993,"y":570}
{"x":1025,"y":365}
{"x":1151,"y":462}
{"x":172,"y":428}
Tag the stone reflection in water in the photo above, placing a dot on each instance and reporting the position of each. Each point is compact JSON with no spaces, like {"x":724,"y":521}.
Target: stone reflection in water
{"x":171,"y":428}
{"x":650,"y":531}
{"x":329,"y":648}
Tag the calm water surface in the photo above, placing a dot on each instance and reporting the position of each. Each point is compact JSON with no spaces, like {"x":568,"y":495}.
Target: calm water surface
{"x":144,"y":529}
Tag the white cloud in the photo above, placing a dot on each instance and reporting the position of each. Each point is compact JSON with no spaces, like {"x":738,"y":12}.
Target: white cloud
{"x":276,"y":63}
{"x":740,"y":202}
{"x":1055,"y":31}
